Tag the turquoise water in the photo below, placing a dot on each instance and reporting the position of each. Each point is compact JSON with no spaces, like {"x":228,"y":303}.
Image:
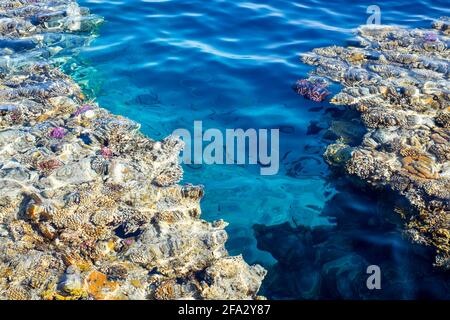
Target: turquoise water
{"x":231,"y":64}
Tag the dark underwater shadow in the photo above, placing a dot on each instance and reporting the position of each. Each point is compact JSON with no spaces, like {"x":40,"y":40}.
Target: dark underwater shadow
{"x":330,"y":262}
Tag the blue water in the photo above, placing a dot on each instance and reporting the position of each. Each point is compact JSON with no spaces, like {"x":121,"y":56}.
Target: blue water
{"x":231,"y":64}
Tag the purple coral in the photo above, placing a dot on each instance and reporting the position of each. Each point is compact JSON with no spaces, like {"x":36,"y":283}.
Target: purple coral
{"x":314,"y":91}
{"x":82,"y":110}
{"x":431,"y":36}
{"x":128,"y":241}
{"x":106,"y":152}
{"x":58,"y":133}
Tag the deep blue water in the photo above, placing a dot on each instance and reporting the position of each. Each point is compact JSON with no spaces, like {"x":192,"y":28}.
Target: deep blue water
{"x":231,"y":64}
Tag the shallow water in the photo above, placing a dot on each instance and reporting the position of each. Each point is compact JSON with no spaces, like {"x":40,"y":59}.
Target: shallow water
{"x":231,"y":64}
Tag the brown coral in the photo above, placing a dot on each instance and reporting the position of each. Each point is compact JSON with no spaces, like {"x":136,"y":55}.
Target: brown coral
{"x":398,"y":81}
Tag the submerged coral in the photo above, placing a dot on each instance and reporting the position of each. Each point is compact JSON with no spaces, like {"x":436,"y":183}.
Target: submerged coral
{"x":312,"y":89}
{"x":90,"y":208}
{"x":398,"y":80}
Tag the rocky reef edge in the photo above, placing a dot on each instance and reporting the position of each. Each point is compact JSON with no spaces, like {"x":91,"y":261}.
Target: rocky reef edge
{"x":90,"y":208}
{"x":397,"y":82}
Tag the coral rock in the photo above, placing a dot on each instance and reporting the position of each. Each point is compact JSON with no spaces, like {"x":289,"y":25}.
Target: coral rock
{"x":398,"y":80}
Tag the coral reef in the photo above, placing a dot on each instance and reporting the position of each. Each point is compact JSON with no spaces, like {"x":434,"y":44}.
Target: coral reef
{"x":398,"y":81}
{"x":312,"y":89}
{"x":90,"y":208}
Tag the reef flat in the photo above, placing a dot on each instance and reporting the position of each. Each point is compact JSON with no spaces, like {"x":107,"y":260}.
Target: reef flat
{"x":90,"y":208}
{"x":397,"y":79}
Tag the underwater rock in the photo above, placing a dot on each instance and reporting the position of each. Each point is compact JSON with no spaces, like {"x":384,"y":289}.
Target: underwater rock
{"x":90,"y":208}
{"x":398,"y":80}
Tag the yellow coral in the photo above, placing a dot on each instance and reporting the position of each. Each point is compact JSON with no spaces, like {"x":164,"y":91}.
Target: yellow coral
{"x":99,"y":287}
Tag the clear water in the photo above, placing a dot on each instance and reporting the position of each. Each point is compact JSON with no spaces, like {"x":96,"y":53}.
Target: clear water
{"x":231,"y":64}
